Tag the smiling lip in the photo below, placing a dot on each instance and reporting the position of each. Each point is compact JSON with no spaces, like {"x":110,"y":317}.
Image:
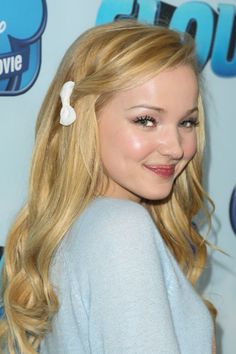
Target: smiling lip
{"x":162,"y":170}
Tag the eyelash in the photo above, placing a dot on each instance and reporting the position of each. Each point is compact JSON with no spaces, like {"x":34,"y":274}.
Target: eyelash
{"x":193,"y":123}
{"x":144,"y":119}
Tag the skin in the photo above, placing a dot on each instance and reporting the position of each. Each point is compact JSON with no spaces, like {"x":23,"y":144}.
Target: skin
{"x":165,"y":135}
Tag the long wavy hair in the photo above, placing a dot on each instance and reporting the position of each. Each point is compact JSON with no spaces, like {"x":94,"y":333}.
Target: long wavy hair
{"x":66,"y":171}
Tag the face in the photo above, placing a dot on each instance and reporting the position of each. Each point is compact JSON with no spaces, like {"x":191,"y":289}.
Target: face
{"x":148,"y":135}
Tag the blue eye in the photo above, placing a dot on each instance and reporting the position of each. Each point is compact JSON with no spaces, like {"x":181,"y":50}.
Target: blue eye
{"x":189,"y":123}
{"x":145,"y":121}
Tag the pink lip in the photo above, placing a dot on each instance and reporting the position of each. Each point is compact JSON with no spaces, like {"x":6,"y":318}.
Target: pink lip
{"x":162,"y":170}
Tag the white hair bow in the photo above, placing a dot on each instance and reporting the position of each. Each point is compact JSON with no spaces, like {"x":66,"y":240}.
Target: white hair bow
{"x":67,"y":114}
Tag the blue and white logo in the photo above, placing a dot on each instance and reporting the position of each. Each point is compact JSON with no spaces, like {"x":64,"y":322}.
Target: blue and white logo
{"x":21,"y":27}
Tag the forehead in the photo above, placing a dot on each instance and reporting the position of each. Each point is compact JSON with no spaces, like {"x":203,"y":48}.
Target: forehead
{"x":166,"y":88}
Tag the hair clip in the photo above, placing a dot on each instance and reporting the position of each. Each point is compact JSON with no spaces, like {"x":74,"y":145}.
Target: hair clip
{"x":67,"y":114}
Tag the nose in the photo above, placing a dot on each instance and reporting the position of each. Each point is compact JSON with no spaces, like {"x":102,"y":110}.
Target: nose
{"x":170,"y":143}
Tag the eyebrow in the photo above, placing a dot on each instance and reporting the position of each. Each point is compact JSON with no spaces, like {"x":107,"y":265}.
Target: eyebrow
{"x":159,"y":109}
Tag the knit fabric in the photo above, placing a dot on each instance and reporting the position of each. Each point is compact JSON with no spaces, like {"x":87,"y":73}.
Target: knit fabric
{"x":120,"y":289}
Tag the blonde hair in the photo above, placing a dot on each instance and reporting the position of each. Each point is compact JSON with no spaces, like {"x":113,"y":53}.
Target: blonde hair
{"x":66,"y":171}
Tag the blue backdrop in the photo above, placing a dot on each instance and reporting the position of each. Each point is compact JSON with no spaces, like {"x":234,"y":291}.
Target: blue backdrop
{"x":33,"y":38}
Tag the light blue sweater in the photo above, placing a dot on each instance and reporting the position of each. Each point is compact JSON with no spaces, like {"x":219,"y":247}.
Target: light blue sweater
{"x":120,"y":289}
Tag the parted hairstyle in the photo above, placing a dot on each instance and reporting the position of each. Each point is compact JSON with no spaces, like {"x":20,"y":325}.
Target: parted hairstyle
{"x":66,"y":171}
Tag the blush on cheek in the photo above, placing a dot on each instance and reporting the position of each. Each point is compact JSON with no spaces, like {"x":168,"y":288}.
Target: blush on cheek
{"x":136,"y":147}
{"x":190,"y":148}
{"x":190,"y":153}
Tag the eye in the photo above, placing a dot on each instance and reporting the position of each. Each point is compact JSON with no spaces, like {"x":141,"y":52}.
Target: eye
{"x":145,"y":121}
{"x":189,"y":123}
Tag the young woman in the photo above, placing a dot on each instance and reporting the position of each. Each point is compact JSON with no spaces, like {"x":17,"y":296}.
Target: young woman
{"x":103,"y":258}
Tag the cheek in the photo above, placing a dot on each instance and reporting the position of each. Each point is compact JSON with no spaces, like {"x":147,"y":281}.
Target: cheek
{"x":124,"y":143}
{"x":190,"y":146}
{"x":134,"y":145}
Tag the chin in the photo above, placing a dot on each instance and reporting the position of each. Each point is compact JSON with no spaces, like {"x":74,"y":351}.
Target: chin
{"x":154,"y":196}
